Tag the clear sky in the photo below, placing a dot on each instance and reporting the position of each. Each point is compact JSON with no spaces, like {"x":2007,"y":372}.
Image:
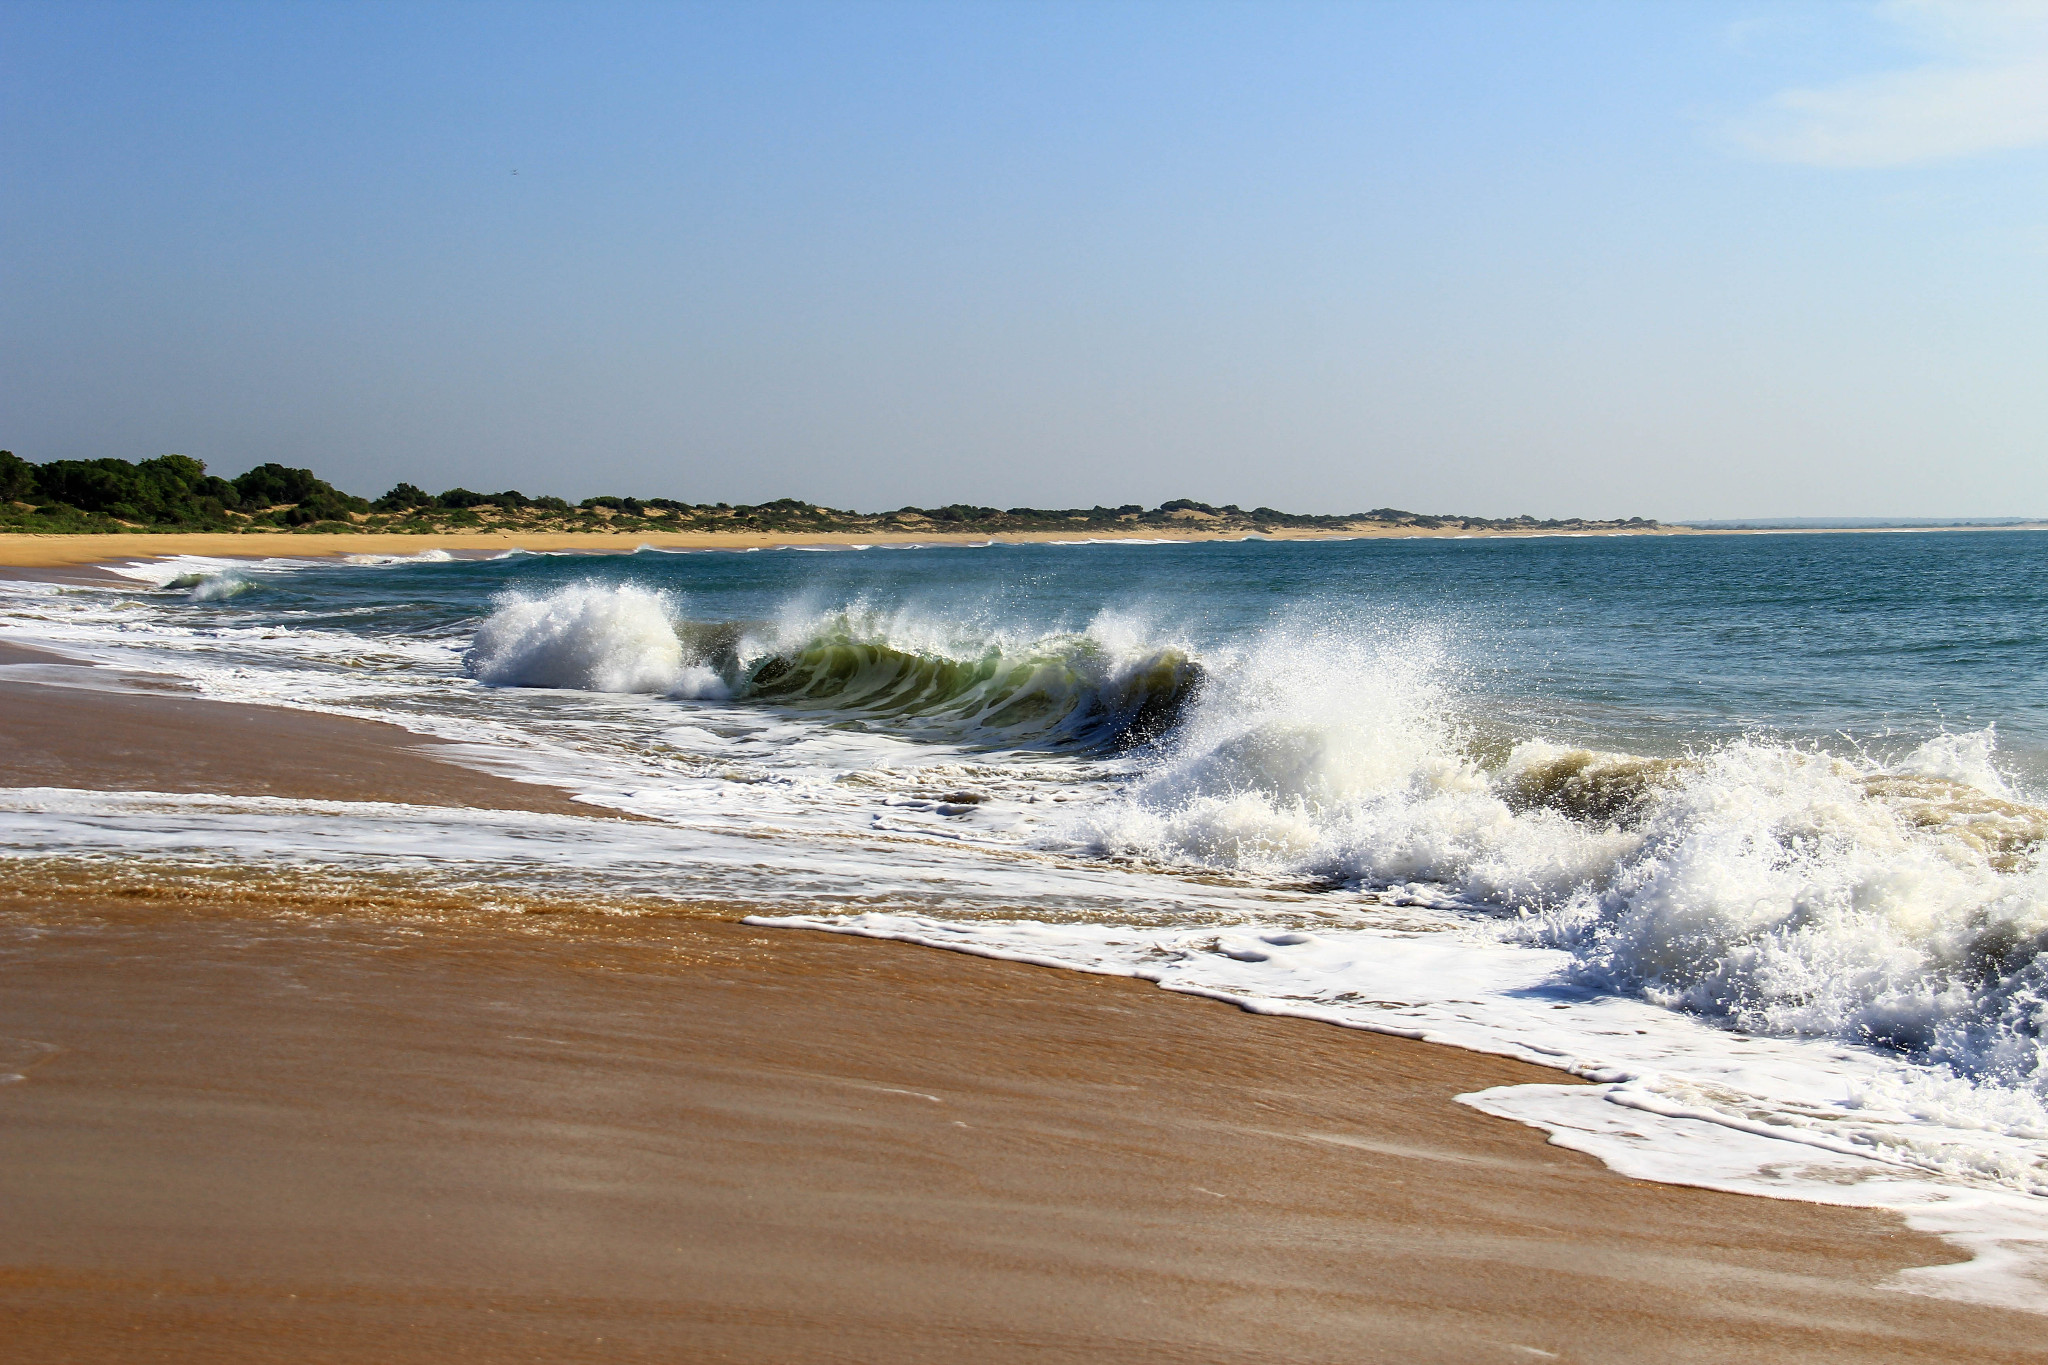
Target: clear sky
{"x":1607,"y":259}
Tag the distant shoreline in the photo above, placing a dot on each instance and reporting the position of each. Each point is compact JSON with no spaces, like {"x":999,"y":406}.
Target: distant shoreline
{"x":31,"y":551}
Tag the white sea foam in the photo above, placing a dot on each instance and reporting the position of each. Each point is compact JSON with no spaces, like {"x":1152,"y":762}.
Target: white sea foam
{"x":1785,"y":890}
{"x":434,"y":556}
{"x":1670,"y":1098}
{"x":1793,"y":893}
{"x":187,"y":571}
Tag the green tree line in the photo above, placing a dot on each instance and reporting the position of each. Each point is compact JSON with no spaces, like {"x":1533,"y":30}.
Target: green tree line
{"x":168,"y":491}
{"x":174,"y":492}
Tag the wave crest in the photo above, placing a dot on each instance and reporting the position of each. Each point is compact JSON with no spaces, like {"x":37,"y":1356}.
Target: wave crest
{"x":212,"y":587}
{"x":1069,"y":690}
{"x":1771,"y":885}
{"x":589,"y":637}
{"x":1080,"y":690}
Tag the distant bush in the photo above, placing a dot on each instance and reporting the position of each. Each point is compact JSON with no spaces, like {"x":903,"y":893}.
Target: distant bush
{"x":168,"y":490}
{"x":404,"y":497}
{"x":17,"y":478}
{"x":173,"y":491}
{"x":267,"y":485}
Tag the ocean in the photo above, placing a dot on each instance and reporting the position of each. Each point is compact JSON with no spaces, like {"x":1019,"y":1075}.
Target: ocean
{"x":1741,"y":832}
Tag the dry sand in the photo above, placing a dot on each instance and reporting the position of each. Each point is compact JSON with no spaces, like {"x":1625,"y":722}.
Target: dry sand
{"x":279,"y":1136}
{"x":32,"y":551}
{"x":56,"y":551}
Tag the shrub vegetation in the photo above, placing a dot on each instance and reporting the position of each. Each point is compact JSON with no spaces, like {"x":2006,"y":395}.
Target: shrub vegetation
{"x":175,"y":493}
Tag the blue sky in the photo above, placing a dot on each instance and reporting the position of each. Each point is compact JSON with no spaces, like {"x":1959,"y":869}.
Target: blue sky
{"x":1611,"y":259}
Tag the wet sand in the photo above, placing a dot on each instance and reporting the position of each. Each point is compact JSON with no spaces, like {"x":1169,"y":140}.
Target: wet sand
{"x":83,"y":736}
{"x":270,"y":1135}
{"x":271,"y":1139}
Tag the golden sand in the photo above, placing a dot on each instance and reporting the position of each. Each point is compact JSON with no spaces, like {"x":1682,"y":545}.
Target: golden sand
{"x":34,"y":551}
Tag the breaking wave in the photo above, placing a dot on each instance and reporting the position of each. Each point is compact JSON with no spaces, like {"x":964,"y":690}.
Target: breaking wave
{"x":1771,"y":885}
{"x":211,"y":587}
{"x":587,"y":637}
{"x":1899,"y":901}
{"x":1082,"y":690}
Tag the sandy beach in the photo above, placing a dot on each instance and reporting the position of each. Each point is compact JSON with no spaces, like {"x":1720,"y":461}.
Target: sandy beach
{"x":61,"y":551}
{"x":82,"y":736}
{"x":291,"y":1133}
{"x":33,"y":551}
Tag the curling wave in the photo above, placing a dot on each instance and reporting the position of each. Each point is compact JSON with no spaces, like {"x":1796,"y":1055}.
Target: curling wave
{"x":211,"y":587}
{"x":1075,"y":691}
{"x":1067,"y":691}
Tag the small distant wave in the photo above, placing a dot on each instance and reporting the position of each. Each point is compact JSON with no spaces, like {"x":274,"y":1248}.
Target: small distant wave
{"x":382,"y":561}
{"x":211,"y":587}
{"x":190,"y":574}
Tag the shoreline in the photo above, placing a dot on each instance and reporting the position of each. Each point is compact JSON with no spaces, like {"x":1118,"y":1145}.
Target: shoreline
{"x":677,"y":1131}
{"x":61,"y":725}
{"x":261,"y":1137}
{"x":69,"y":551}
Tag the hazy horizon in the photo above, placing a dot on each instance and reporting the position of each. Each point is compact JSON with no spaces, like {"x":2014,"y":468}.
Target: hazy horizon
{"x":1721,"y":261}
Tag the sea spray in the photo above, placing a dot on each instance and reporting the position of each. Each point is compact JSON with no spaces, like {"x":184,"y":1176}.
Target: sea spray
{"x":591,"y":637}
{"x":1341,"y":755}
{"x":1796,"y":893}
{"x":1780,"y":888}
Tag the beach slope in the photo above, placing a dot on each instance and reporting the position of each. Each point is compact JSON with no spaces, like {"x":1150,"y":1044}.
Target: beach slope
{"x":285,"y":1133}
